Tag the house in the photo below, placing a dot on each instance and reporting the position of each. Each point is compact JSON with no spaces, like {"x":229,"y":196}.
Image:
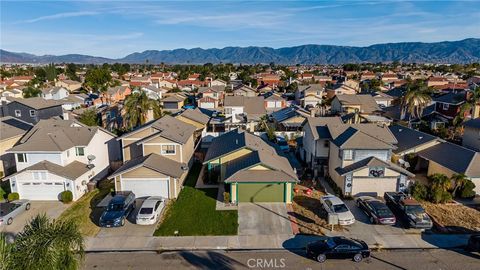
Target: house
{"x":11,"y":130}
{"x":448,"y":105}
{"x":73,"y":101}
{"x":360,"y":160}
{"x":195,"y":117}
{"x":113,"y":95}
{"x":156,"y":158}
{"x":316,"y":140}
{"x":251,"y":168}
{"x":388,"y":78}
{"x":411,"y":140}
{"x":154,"y":92}
{"x":13,"y":92}
{"x":309,"y":95}
{"x":274,"y":102}
{"x":245,"y":91}
{"x":58,"y":155}
{"x":168,"y":84}
{"x":345,"y":104}
{"x":471,"y":134}
{"x":243,"y":111}
{"x":342,"y":89}
{"x":31,"y":110}
{"x":55,"y":93}
{"x":289,"y":118}
{"x":208,"y":103}
{"x":173,"y":102}
{"x":218,"y":82}
{"x":435,"y":81}
{"x":383,"y":99}
{"x":70,"y":85}
{"x":211,"y":97}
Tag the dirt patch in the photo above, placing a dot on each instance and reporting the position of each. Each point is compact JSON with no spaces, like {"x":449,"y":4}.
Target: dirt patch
{"x":454,"y":218}
{"x":308,"y":210}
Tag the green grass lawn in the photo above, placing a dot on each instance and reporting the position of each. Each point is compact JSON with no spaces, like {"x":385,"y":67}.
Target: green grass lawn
{"x":84,"y":212}
{"x":193,"y":213}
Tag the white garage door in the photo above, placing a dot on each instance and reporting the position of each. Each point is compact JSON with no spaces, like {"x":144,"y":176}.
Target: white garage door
{"x":373,"y":186}
{"x":145,"y":188}
{"x":49,"y":191}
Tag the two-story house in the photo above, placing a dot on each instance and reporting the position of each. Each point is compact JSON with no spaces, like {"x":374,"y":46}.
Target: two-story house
{"x":243,"y":111}
{"x":55,"y":93}
{"x":113,"y":95}
{"x":252,"y":169}
{"x":309,"y":95}
{"x":58,"y":155}
{"x":11,"y":130}
{"x":274,"y":102}
{"x":156,"y":158}
{"x":31,"y":110}
{"x":245,"y":91}
{"x":211,"y":97}
{"x":448,"y":105}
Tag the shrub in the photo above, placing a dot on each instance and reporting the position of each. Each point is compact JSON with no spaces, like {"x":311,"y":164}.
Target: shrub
{"x":226,"y":197}
{"x":419,"y":191}
{"x":412,"y":160}
{"x":13,"y":196}
{"x":467,"y":190}
{"x":67,"y":196}
{"x":438,"y":195}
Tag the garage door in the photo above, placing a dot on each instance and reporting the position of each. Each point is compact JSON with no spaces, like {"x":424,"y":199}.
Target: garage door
{"x":145,"y":188}
{"x":373,"y":186}
{"x":264,"y":192}
{"x":40,"y":191}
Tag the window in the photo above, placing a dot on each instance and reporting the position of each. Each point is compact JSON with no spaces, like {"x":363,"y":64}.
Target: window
{"x":32,"y":113}
{"x":228,"y":110}
{"x":22,"y":158}
{"x":80,"y":151}
{"x":39,"y":176}
{"x":347,"y":154}
{"x":325,"y":143}
{"x":168,"y":149}
{"x":18,"y":113}
{"x":445,"y":106}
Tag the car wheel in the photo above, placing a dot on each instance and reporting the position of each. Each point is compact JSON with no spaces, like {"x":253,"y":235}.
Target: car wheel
{"x":321,"y":258}
{"x":372,"y":220}
{"x":358,"y":258}
{"x":27,"y":207}
{"x":9,"y":221}
{"x":123,"y":222}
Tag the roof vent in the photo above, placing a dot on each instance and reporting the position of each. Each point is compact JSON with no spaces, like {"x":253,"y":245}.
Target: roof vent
{"x":400,"y":130}
{"x":236,"y":141}
{"x":420,"y":137}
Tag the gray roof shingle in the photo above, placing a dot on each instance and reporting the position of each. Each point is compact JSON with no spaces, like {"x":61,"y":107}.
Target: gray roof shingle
{"x":154,"y":162}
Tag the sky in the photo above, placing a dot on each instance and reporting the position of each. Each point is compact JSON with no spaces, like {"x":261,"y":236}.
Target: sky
{"x":115,"y":29}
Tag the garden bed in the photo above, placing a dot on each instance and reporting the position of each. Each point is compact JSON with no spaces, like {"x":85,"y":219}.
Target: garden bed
{"x":453,"y":218}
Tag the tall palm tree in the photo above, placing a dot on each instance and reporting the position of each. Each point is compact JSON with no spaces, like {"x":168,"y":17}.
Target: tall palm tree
{"x":459,"y":180}
{"x":440,"y":181}
{"x":48,"y":244}
{"x":471,"y":105}
{"x":416,"y":99}
{"x":137,"y":107}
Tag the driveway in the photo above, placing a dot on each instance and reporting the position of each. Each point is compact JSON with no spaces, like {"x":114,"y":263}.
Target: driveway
{"x":263,"y":219}
{"x":52,"y":209}
{"x":130,"y":229}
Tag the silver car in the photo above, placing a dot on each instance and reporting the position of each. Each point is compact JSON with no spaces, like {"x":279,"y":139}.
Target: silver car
{"x":9,"y":210}
{"x":150,"y":210}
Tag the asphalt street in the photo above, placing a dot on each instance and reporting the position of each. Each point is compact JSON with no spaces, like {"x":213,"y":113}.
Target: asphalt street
{"x":399,"y":259}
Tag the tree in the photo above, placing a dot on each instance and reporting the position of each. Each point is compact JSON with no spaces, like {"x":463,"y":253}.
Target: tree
{"x":31,"y":91}
{"x":89,"y":117}
{"x":48,"y":244}
{"x":97,"y":79}
{"x":416,"y":99}
{"x":470,"y":106}
{"x":459,"y":181}
{"x":137,"y":107}
{"x":440,"y":181}
{"x":6,"y":251}
{"x":50,"y":72}
{"x":71,"y":72}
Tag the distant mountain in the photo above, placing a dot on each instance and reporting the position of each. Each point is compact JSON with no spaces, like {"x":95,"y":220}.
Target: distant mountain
{"x":463,"y":51}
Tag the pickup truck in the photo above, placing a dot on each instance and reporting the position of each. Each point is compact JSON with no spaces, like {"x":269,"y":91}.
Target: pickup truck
{"x":408,"y":209}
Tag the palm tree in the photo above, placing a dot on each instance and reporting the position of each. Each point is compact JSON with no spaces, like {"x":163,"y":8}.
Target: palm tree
{"x":416,"y":99}
{"x":459,"y":181}
{"x":47,"y":244}
{"x":440,"y":181}
{"x":137,"y":107}
{"x":6,"y":250}
{"x":471,"y":105}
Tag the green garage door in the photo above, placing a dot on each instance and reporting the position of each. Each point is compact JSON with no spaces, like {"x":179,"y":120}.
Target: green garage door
{"x":261,"y":192}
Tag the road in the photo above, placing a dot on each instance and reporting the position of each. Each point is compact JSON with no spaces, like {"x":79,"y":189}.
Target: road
{"x":399,"y":260}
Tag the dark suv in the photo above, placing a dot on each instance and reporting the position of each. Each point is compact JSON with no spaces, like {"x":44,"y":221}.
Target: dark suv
{"x":118,"y":209}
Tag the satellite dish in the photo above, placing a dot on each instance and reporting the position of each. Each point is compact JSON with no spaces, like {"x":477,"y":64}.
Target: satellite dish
{"x":90,"y":157}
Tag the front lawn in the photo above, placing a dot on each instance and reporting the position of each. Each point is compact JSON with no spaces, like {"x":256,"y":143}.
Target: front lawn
{"x":194,"y":212}
{"x":82,"y":211}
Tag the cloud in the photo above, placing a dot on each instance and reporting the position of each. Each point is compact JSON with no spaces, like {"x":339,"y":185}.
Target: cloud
{"x":61,"y":16}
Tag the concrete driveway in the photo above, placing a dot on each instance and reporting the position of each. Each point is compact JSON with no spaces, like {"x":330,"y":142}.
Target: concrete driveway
{"x":263,"y":219}
{"x":52,"y":209}
{"x":130,"y":228}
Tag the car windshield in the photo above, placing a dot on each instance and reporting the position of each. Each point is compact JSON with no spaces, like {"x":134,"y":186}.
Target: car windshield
{"x":146,"y":210}
{"x":331,"y":242}
{"x":340,"y":208}
{"x":384,"y":212}
{"x":115,"y":207}
{"x":414,"y":209}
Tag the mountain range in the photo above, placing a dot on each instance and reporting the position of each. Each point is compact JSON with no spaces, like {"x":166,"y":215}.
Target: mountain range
{"x":462,"y":51}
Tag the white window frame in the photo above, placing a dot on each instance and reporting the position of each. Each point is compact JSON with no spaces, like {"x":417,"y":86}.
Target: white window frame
{"x":76,"y":151}
{"x":39,"y":176}
{"x":164,"y":152}
{"x":445,"y":106}
{"x":18,"y":113}
{"x":350,"y":151}
{"x":33,"y":113}
{"x":24,"y":155}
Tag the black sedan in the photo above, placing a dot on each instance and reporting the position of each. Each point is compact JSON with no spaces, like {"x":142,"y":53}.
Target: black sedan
{"x":376,"y":210}
{"x":473,"y":243}
{"x":338,"y":247}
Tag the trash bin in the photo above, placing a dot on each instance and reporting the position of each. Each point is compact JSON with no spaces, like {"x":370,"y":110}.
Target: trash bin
{"x":91,"y":185}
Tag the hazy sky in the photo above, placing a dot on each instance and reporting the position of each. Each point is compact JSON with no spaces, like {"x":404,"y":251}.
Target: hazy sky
{"x":116,"y":28}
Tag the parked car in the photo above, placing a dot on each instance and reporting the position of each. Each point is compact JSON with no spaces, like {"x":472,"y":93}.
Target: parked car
{"x":408,"y":209}
{"x":9,"y":210}
{"x":338,"y":247}
{"x":473,"y":243}
{"x":333,"y":205}
{"x":376,"y":210}
{"x":118,"y":209}
{"x":150,"y":210}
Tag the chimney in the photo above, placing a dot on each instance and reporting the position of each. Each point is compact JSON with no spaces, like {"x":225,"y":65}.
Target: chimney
{"x":356,"y":117}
